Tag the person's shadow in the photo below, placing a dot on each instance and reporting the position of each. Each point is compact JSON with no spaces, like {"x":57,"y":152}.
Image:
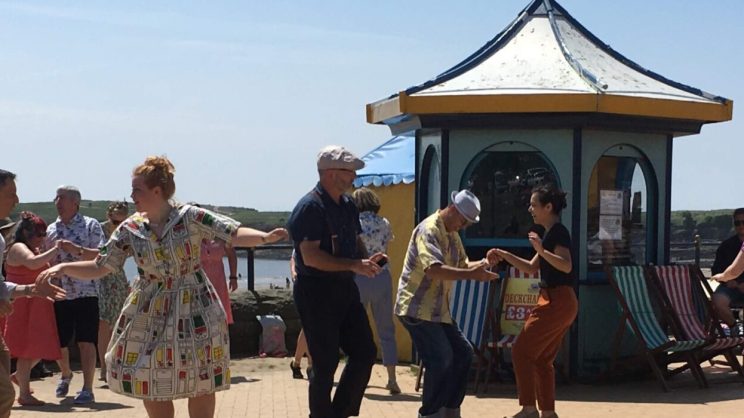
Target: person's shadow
{"x":67,"y":407}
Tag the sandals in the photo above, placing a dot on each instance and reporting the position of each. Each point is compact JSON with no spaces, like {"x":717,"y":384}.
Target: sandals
{"x":30,"y":400}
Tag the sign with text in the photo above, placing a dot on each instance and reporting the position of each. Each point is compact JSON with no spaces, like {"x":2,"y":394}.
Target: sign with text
{"x":520,"y":296}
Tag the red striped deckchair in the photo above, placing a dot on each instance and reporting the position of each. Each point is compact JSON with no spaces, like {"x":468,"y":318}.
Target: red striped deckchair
{"x":506,"y":318}
{"x":678,"y":286}
{"x":630,"y":285}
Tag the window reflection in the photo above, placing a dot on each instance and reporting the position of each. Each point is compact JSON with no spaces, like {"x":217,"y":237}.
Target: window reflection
{"x":503,"y":179}
{"x":617,"y":231}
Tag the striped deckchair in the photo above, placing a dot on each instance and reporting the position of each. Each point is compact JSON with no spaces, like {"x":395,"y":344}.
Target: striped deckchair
{"x":679,"y":287}
{"x":630,"y":285}
{"x":505,"y":319}
{"x":469,"y":301}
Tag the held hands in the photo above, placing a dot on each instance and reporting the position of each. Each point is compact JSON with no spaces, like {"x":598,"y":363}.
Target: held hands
{"x":536,"y":242}
{"x":481,"y":273}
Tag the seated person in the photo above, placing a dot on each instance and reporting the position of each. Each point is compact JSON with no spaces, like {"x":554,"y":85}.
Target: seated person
{"x":731,"y":291}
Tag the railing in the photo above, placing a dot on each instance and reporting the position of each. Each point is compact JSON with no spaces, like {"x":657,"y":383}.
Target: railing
{"x":251,"y":259}
{"x":703,"y":250}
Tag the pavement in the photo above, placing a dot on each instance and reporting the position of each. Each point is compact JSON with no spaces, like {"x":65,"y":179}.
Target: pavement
{"x":263,"y":387}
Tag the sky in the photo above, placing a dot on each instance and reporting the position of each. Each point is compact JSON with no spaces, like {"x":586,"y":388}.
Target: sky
{"x":241,"y":95}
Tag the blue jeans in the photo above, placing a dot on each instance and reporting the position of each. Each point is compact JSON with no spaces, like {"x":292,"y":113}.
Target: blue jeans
{"x":446,"y":355}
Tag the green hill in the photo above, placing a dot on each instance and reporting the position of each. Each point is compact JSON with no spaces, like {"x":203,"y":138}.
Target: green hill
{"x":97,"y":209}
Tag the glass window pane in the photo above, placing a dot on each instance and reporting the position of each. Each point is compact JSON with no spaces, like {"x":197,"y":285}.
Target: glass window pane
{"x":617,"y":231}
{"x":503,"y":181}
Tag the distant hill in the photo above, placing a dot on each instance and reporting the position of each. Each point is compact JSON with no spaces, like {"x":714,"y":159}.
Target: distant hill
{"x":710,"y":224}
{"x":97,"y":209}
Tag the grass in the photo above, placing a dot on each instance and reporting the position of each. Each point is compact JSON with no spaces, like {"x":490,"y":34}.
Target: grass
{"x":97,"y":209}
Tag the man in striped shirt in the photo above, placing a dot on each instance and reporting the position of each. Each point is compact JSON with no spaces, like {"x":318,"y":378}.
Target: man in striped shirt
{"x":435,"y":258}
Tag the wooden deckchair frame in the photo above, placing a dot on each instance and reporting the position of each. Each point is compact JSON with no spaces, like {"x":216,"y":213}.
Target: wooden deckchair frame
{"x":662,"y":355}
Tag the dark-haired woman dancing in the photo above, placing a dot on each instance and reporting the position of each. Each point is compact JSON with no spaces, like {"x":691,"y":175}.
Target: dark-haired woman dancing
{"x":538,"y":343}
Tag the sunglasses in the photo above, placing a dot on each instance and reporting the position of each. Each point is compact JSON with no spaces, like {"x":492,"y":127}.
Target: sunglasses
{"x":738,"y":223}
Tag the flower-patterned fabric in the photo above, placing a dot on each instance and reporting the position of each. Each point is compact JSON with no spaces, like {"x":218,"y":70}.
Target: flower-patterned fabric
{"x":376,"y":232}
{"x":81,"y":230}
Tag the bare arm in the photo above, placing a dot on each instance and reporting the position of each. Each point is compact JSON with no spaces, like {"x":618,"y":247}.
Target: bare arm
{"x":560,"y":258}
{"x":82,"y":270}
{"x":20,"y":255}
{"x":79,"y":251}
{"x":249,"y":237}
{"x":475,"y":271}
{"x":316,"y":258}
{"x":521,"y":264}
{"x":733,"y":271}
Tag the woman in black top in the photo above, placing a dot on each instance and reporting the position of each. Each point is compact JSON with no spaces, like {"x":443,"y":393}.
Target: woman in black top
{"x":541,"y":337}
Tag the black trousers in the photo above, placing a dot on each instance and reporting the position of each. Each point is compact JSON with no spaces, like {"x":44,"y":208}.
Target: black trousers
{"x":333,"y":317}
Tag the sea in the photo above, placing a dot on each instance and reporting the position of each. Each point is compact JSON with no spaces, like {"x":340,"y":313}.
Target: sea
{"x":269,"y":272}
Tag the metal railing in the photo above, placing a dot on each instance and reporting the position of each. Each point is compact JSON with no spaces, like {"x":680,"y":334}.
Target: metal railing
{"x":251,"y":259}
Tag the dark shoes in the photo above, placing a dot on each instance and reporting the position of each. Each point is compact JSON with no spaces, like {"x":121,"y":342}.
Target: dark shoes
{"x":296,"y":371}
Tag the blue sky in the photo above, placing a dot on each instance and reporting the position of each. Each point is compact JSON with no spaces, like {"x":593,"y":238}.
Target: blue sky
{"x":241,"y":95}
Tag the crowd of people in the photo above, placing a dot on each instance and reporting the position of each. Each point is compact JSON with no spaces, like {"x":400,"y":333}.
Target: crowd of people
{"x":156,"y":333}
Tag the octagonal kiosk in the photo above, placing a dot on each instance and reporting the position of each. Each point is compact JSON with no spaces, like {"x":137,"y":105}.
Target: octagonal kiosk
{"x":546,"y":101}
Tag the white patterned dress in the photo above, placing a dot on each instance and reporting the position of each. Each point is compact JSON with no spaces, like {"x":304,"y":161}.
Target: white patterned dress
{"x":171,"y":339}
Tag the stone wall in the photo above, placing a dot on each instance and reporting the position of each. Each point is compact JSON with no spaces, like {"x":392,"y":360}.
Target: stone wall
{"x":245,"y":330}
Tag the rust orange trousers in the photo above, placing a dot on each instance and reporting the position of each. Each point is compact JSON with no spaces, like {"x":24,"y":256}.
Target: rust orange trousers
{"x":538,"y":344}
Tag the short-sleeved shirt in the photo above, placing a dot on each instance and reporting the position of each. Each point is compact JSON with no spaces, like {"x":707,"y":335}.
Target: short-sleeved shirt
{"x":317,"y":217}
{"x":550,"y":276}
{"x":376,"y":232}
{"x":420,"y":296}
{"x":725,"y":255}
{"x":84,"y":231}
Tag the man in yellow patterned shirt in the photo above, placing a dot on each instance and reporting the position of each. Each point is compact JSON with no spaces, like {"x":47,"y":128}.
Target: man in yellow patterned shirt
{"x":434,"y":259}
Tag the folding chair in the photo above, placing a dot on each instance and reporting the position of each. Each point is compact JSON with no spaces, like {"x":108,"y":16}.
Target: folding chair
{"x":679,"y":287}
{"x":630,"y":285}
{"x":519,"y":293}
{"x":469,"y":301}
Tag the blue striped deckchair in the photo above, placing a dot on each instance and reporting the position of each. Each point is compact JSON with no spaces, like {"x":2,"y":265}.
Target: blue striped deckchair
{"x":678,"y":288}
{"x":630,"y":285}
{"x":469,"y":301}
{"x":468,"y":304}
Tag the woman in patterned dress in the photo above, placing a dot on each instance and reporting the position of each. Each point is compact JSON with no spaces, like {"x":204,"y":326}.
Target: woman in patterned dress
{"x":112,"y":289}
{"x":171,"y":340}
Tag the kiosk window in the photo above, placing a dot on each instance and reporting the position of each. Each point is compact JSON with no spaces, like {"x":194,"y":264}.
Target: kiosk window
{"x":503,"y":177}
{"x":617,"y":224}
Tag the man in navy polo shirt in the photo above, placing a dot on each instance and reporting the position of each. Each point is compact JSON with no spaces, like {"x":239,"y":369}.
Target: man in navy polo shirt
{"x":325,"y":229}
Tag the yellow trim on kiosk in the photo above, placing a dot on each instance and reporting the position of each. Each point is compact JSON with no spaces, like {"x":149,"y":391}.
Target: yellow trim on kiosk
{"x":402,"y":104}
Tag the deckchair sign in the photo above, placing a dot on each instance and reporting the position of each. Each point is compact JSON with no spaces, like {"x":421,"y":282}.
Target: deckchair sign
{"x":520,"y":296}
